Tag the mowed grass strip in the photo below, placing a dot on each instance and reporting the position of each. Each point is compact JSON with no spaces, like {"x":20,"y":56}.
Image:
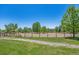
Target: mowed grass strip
{"x":12,"y":47}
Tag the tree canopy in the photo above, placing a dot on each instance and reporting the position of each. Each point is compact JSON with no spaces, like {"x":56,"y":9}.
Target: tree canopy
{"x":11,"y":27}
{"x":43,"y":29}
{"x":36,"y":27}
{"x":70,"y":21}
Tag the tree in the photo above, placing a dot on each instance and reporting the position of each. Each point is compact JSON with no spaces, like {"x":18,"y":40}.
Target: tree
{"x":64,"y":24}
{"x":59,"y":29}
{"x":11,"y":28}
{"x":43,"y":29}
{"x":48,"y":30}
{"x":70,"y":21}
{"x":36,"y":27}
{"x":56,"y":30}
{"x":0,"y":30}
{"x":26,"y":29}
{"x":20,"y":30}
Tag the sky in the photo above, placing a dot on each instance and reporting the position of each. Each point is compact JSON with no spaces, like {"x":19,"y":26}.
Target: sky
{"x":49,"y":15}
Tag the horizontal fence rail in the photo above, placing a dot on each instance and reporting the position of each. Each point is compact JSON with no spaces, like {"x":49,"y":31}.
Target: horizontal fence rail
{"x":37,"y":35}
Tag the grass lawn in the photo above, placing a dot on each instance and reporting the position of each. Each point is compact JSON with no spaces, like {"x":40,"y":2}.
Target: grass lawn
{"x":60,"y":40}
{"x":11,"y":47}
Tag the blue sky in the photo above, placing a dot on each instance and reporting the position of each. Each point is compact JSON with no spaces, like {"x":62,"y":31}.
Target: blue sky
{"x":49,"y":15}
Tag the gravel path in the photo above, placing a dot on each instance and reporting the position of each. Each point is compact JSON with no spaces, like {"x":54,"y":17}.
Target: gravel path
{"x":44,"y":42}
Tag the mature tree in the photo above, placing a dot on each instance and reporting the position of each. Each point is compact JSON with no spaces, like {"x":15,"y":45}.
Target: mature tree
{"x":59,"y":29}
{"x":0,"y":30}
{"x":48,"y":30}
{"x":70,"y":21}
{"x":11,"y":27}
{"x":64,"y":24}
{"x":36,"y":27}
{"x":56,"y":30}
{"x":26,"y":29}
{"x":20,"y":30}
{"x":44,"y":29}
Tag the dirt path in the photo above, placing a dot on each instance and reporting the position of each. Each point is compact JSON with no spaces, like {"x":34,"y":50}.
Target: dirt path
{"x":44,"y":42}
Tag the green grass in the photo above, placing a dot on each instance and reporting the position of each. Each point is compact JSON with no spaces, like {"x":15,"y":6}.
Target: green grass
{"x":11,"y":47}
{"x":60,"y":40}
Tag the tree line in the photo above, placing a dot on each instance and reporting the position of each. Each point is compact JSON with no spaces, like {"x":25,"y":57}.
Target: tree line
{"x":12,"y":29}
{"x":36,"y":28}
{"x":69,"y":24}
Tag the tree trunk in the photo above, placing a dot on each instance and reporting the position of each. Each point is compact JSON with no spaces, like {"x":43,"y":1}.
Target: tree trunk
{"x":73,"y":34}
{"x":39,"y":34}
{"x":64,"y":34}
{"x":47,"y":34}
{"x":31,"y":34}
{"x":17,"y":34}
{"x":56,"y":34}
{"x":73,"y":30}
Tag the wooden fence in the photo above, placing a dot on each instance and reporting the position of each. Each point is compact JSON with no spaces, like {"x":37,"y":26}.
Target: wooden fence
{"x":3,"y":34}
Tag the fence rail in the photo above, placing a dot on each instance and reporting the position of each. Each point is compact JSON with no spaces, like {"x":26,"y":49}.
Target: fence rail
{"x":37,"y":35}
